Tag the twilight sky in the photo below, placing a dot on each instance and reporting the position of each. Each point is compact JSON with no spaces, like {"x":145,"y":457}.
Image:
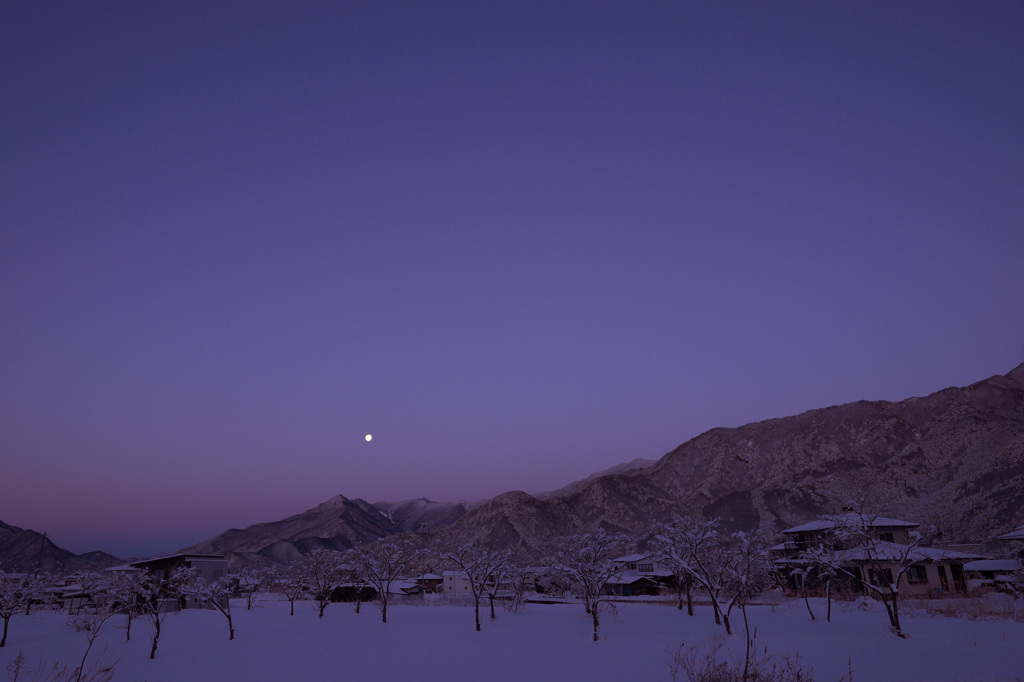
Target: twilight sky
{"x":516,"y":242}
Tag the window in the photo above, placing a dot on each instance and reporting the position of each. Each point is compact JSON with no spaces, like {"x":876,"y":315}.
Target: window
{"x":880,"y":576}
{"x":885,"y":537}
{"x":917,"y":575}
{"x":645,"y":568}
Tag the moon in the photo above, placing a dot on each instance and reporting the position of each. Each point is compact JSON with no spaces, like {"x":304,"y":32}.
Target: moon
{"x":369,"y":437}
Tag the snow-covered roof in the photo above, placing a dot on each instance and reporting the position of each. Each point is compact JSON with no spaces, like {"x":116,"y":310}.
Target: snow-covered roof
{"x":1013,"y":535}
{"x":849,"y":520}
{"x":888,"y":551}
{"x":627,"y":579}
{"x":429,"y":576}
{"x":631,"y":558}
{"x":1004,"y":565}
{"x":182,"y":557}
{"x":404,"y":587}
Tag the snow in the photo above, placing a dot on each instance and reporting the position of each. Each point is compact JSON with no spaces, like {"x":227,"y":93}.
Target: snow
{"x":542,"y":642}
{"x":851,"y":520}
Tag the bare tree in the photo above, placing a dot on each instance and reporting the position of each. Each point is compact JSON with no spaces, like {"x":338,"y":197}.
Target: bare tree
{"x":160,"y":592}
{"x":91,"y":623}
{"x":672,"y":547}
{"x":885,"y":563}
{"x":518,"y":574}
{"x":382,"y":562}
{"x":747,"y":573}
{"x":501,"y":576}
{"x":16,"y":592}
{"x":589,"y":560}
{"x":127,"y":592}
{"x":479,"y":565}
{"x":249,"y":581}
{"x":354,"y":574}
{"x":289,"y":579}
{"x":321,"y":572}
{"x":217,"y":594}
{"x":820,"y":566}
{"x":695,"y":547}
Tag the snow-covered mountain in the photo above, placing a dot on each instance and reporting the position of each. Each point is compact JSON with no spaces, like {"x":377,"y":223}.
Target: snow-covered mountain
{"x":421,"y":514}
{"x":953,"y":460}
{"x":638,"y":463}
{"x":338,"y":523}
{"x":28,"y":550}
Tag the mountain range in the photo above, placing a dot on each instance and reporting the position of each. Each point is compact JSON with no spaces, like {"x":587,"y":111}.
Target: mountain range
{"x":952,"y":461}
{"x":26,"y":550}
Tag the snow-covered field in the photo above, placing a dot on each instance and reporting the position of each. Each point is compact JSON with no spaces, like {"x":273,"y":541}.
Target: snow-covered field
{"x":542,"y":642}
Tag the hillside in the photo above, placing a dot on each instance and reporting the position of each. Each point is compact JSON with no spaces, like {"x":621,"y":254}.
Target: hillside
{"x":339,"y":523}
{"x":953,"y":460}
{"x":28,"y":550}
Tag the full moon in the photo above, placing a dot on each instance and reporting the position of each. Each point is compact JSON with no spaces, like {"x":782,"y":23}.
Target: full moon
{"x":369,"y":437}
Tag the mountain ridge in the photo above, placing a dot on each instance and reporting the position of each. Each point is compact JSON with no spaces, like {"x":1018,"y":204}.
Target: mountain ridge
{"x":23,"y":550}
{"x":952,"y":460}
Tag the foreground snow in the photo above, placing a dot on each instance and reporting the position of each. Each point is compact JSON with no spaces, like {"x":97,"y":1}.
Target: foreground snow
{"x":543,"y":642}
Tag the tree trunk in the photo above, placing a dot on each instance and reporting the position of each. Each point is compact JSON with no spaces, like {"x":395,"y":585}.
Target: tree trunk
{"x":807,"y":602}
{"x":231,"y":628}
{"x":476,"y":612}
{"x":156,"y":638}
{"x":750,"y":643}
{"x":689,"y":598}
{"x":7,"y":621}
{"x":828,"y":598}
{"x":593,"y":612}
{"x":293,"y":607}
{"x":156,"y":629}
{"x":383,"y":610}
{"x":896,"y":616}
{"x":717,"y":609}
{"x":491,"y":598}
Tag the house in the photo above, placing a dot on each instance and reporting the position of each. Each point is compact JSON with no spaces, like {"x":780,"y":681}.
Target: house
{"x":837,"y":530}
{"x":639,"y":574}
{"x":405,"y":590}
{"x":208,"y":567}
{"x":631,"y":586}
{"x":431,"y":582}
{"x":871,"y":550}
{"x":456,"y":584}
{"x":988,"y":574}
{"x":1013,"y":535}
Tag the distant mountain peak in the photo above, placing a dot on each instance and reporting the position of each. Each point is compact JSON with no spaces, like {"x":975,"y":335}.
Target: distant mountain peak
{"x":1017,"y":374}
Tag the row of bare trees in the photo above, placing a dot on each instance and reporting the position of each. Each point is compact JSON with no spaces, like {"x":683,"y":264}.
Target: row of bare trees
{"x":726,"y":569}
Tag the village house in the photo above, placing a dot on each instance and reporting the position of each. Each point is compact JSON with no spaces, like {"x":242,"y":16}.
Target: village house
{"x":871,"y":549}
{"x":639,"y":574}
{"x":456,"y":584}
{"x":991,"y":574}
{"x":207,"y":567}
{"x":431,"y":582}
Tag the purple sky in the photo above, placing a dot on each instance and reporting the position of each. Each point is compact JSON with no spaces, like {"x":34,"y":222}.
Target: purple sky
{"x":517,"y":243}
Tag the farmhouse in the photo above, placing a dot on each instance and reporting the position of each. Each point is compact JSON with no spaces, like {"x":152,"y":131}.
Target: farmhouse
{"x":872,"y":550}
